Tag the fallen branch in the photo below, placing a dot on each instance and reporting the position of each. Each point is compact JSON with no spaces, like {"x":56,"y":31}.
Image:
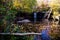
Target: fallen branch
{"x":20,"y":33}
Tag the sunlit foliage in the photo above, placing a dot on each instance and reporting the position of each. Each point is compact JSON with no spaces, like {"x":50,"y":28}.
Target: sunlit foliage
{"x":55,"y":5}
{"x":24,"y":5}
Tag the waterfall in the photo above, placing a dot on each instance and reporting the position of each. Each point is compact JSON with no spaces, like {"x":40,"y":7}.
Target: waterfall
{"x":35,"y":16}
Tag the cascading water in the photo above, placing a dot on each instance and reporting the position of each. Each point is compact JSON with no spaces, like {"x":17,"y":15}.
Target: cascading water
{"x":35,"y":16}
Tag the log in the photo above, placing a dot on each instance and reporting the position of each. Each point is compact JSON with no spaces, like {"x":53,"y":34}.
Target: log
{"x":20,"y":33}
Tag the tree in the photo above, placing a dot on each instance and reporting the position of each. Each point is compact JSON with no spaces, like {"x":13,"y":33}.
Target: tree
{"x":24,"y":5}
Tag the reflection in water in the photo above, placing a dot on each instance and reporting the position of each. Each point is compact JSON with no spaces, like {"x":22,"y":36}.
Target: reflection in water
{"x":45,"y":35}
{"x":50,"y":31}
